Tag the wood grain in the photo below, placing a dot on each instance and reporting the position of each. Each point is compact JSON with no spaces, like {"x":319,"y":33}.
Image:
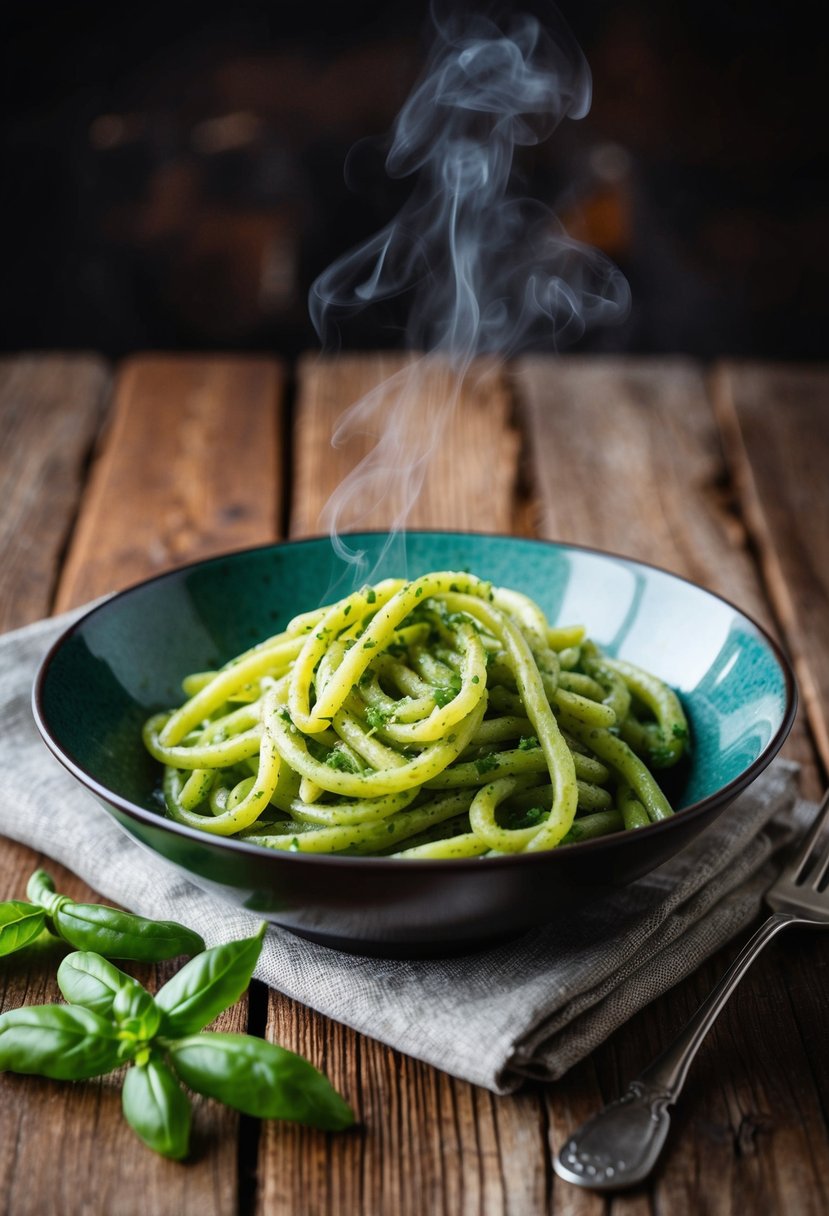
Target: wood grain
{"x":776,"y":423}
{"x":189,"y":467}
{"x":627,"y":455}
{"x":462,"y":434}
{"x":427,"y":1143}
{"x":50,"y":409}
{"x":190,"y":464}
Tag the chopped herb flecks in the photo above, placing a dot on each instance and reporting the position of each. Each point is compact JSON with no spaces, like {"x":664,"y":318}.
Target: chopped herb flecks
{"x":376,"y":717}
{"x":338,"y":760}
{"x":485,"y":764}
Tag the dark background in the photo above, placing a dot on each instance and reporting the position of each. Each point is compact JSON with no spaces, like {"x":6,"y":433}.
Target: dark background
{"x":171,"y":175}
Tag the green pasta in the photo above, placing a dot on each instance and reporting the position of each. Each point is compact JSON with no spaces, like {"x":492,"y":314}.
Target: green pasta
{"x":439,"y":717}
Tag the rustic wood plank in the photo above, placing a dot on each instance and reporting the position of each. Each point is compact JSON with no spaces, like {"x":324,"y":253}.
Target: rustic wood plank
{"x":192,"y":460}
{"x":50,"y":410}
{"x":66,"y":1147}
{"x":189,"y":467}
{"x":431,"y":1144}
{"x":626,"y":455}
{"x":776,"y":423}
{"x":468,"y":464}
{"x":427,"y":1143}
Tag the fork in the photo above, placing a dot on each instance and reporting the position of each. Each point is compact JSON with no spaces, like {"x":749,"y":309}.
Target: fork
{"x":620,"y":1145}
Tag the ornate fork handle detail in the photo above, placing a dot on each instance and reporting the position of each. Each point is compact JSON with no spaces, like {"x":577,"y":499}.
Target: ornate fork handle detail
{"x":620,"y":1145}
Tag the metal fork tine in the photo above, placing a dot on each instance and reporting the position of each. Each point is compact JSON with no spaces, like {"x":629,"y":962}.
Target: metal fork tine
{"x":821,"y":874}
{"x":814,"y":832}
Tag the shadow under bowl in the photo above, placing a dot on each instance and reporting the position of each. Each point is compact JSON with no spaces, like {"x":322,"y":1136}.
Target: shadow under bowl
{"x":126,"y":658}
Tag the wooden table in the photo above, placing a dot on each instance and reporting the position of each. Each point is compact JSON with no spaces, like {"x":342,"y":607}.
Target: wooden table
{"x":111,"y":474}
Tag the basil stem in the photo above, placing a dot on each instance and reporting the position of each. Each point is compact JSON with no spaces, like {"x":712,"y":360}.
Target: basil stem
{"x":20,"y":924}
{"x":65,"y":1042}
{"x":207,"y":985}
{"x":112,"y":1020}
{"x":156,"y":1108}
{"x":107,"y":930}
{"x":87,"y":979}
{"x":40,"y":888}
{"x":259,"y":1078}
{"x":136,"y":1013}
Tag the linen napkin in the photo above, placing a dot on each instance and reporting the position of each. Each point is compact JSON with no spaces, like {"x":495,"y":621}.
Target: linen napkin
{"x":530,"y":1008}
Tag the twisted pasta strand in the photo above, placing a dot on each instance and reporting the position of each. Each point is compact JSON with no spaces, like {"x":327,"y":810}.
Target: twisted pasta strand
{"x":436,"y":718}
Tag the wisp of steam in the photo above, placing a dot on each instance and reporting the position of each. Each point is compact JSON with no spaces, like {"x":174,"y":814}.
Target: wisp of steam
{"x":486,"y":271}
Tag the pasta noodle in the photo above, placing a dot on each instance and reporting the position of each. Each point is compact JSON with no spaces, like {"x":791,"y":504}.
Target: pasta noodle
{"x":440,"y":717}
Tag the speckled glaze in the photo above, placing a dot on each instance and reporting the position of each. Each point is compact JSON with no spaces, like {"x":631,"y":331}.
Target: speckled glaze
{"x":126,"y":658}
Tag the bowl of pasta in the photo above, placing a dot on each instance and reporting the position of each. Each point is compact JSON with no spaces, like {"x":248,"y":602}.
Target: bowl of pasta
{"x":436,"y":758}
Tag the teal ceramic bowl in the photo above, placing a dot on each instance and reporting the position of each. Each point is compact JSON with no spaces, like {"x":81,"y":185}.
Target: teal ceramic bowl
{"x":126,"y":658}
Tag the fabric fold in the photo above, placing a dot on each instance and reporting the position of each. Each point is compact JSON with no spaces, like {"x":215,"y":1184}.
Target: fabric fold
{"x":530,"y":1008}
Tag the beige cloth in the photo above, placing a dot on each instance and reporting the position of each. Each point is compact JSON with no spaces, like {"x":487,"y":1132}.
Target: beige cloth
{"x":533,"y":1007}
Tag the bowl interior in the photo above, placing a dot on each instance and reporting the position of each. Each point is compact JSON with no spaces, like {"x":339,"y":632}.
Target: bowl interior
{"x":127,"y":658}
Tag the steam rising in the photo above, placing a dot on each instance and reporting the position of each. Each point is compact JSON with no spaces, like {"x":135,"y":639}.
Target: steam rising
{"x":486,"y":271}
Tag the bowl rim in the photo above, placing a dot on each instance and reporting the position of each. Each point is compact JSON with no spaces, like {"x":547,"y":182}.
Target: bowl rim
{"x":695,"y":810}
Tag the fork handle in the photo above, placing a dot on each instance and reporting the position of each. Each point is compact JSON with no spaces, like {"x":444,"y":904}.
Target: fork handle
{"x":668,"y":1072}
{"x":620,"y":1145}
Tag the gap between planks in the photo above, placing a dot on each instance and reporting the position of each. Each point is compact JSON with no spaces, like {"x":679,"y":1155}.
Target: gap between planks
{"x":428,"y":1142}
{"x":189,"y":466}
{"x":775,"y":424}
{"x":190,"y":458}
{"x":627,"y":455}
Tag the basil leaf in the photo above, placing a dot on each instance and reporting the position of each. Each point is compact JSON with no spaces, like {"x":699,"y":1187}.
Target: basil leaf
{"x":122,"y":935}
{"x":156,"y":1108}
{"x":20,"y":924}
{"x":259,"y":1078}
{"x":136,"y":1012}
{"x":206,"y":985}
{"x":65,"y":1042}
{"x":86,"y":979}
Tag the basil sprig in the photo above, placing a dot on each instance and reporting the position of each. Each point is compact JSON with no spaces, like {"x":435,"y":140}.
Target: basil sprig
{"x":112,"y":1020}
{"x":90,"y":926}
